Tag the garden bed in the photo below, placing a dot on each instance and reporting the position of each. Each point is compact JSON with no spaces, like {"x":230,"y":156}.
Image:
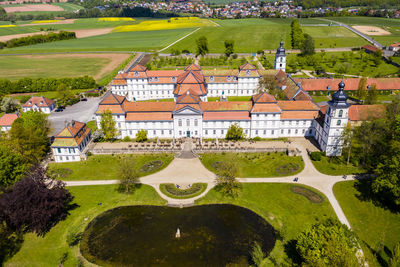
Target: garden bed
{"x":310,"y":195}
{"x":170,"y":190}
{"x":151,"y":166}
{"x":288,"y":168}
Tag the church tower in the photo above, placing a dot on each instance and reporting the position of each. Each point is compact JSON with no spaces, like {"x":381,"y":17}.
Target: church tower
{"x":280,"y":58}
{"x":336,"y":119}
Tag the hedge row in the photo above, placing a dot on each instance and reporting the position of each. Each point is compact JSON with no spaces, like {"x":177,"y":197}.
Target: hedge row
{"x":38,"y":39}
{"x":171,"y":190}
{"x":29,"y":85}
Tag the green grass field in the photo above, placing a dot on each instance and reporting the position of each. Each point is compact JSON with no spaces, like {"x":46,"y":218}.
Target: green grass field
{"x":377,"y":228}
{"x":249,"y":35}
{"x":105,"y":167}
{"x":68,"y":6}
{"x":287,"y":212}
{"x":336,"y":166}
{"x":47,"y":251}
{"x":391,"y":25}
{"x":320,"y":98}
{"x":253,"y":164}
{"x":54,"y":66}
{"x":122,"y":41}
{"x":333,"y":36}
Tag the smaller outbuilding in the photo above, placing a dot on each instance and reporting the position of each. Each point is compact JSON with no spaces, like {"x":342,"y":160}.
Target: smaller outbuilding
{"x":7,"y":120}
{"x":71,"y":143}
{"x":39,"y":103}
{"x":394,"y":47}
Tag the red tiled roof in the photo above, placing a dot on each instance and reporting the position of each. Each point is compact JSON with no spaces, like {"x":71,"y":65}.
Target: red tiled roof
{"x":247,"y":66}
{"x":182,"y":106}
{"x":112,"y":99}
{"x":226,"y":115}
{"x":115,"y":109}
{"x":8,"y":119}
{"x":194,"y":67}
{"x":231,"y":105}
{"x":193,"y":89}
{"x":351,"y":84}
{"x":164,"y":73}
{"x":370,"y":48}
{"x":39,"y":101}
{"x":138,"y":67}
{"x":366,"y":112}
{"x":76,"y":130}
{"x":395,"y":45}
{"x":118,"y":82}
{"x":140,"y":75}
{"x":263,"y":97}
{"x":148,"y":106}
{"x":299,"y":115}
{"x":302,"y":95}
{"x":149,"y":116}
{"x":265,"y":108}
{"x":297,"y":105}
{"x":188,"y":99}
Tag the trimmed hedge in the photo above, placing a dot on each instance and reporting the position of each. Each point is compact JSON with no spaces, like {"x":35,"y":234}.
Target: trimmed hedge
{"x":316,"y":156}
{"x":170,"y":190}
{"x":29,"y":85}
{"x":39,"y":39}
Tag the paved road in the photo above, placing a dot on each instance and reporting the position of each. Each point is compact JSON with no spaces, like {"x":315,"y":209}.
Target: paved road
{"x":82,"y":111}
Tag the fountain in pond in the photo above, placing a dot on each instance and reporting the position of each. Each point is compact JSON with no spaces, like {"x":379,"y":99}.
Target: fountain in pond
{"x":178,"y":233}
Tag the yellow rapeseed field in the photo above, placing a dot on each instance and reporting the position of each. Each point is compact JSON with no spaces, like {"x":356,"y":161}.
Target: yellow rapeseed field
{"x":116,"y":19}
{"x":4,"y":26}
{"x":170,"y":24}
{"x":45,"y":21}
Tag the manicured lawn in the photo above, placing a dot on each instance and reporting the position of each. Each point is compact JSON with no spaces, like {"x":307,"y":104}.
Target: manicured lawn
{"x":120,"y":41}
{"x":336,"y":166}
{"x":287,"y":212}
{"x":105,"y":167}
{"x":253,"y":164}
{"x":377,"y":228}
{"x":47,"y":251}
{"x":249,"y":35}
{"x":320,"y":98}
{"x":55,"y":66}
{"x":333,"y":36}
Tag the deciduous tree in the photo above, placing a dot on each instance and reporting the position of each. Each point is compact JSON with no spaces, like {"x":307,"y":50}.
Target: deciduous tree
{"x":35,"y":203}
{"x":235,"y":132}
{"x":308,"y":46}
{"x":9,"y":105}
{"x":362,"y":89}
{"x":328,"y":243}
{"x":202,"y":46}
{"x":226,"y":179}
{"x":12,"y":166}
{"x":229,"y":47}
{"x":128,"y":175}
{"x":108,"y":125}
{"x":372,"y":95}
{"x":141,"y":136}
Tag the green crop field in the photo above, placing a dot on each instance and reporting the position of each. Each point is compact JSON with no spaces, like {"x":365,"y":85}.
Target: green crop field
{"x":249,"y":35}
{"x":56,"y":66}
{"x":68,"y":6}
{"x":390,"y":25}
{"x":121,"y":41}
{"x":333,"y":36}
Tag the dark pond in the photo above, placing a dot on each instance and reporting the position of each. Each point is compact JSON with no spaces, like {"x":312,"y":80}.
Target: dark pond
{"x":210,"y":235}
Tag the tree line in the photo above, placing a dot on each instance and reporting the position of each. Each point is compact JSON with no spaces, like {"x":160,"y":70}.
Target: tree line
{"x":38,"y":39}
{"x":29,"y":85}
{"x":347,"y":3}
{"x":301,"y":40}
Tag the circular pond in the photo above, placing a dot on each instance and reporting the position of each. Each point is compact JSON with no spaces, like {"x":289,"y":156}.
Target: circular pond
{"x":209,"y":235}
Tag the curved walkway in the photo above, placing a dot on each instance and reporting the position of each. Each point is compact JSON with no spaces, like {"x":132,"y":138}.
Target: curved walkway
{"x":191,"y":170}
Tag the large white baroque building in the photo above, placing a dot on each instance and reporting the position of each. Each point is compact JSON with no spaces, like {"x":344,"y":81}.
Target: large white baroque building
{"x":263,"y":116}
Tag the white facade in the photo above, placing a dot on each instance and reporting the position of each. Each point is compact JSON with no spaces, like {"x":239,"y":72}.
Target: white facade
{"x":280,"y":59}
{"x":46,"y":110}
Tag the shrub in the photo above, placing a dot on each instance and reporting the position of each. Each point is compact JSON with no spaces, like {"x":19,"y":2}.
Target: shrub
{"x":192,"y":191}
{"x":126,"y":139}
{"x":316,"y":156}
{"x":234,"y":56}
{"x":257,"y":138}
{"x":141,"y":136}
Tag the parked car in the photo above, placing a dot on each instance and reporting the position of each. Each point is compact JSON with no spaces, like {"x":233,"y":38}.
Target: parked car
{"x":84,"y":99}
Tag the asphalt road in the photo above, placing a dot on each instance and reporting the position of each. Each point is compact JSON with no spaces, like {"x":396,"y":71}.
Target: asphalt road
{"x":82,"y":111}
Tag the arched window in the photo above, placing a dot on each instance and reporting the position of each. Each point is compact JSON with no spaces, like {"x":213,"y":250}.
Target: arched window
{"x":339,"y":122}
{"x":340,"y":113}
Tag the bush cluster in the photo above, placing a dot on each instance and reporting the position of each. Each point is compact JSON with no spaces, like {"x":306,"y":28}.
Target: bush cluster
{"x":29,"y":85}
{"x":316,"y":156}
{"x":38,"y":39}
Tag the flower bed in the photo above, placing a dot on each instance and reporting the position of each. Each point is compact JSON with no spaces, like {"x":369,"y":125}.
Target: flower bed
{"x":151,"y":166}
{"x":287,"y":168}
{"x":170,"y":190}
{"x":310,"y":195}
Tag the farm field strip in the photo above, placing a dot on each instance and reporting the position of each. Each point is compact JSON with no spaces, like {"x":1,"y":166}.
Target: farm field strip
{"x":60,"y":65}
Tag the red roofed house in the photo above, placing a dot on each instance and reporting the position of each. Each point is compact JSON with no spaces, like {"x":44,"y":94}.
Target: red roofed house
{"x":70,"y":144}
{"x":7,"y":120}
{"x":39,"y":103}
{"x":370,"y":48}
{"x":394,"y":47}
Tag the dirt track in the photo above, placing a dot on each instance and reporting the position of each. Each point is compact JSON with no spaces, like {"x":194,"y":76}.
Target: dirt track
{"x":27,"y":8}
{"x":79,"y":33}
{"x":371,"y":30}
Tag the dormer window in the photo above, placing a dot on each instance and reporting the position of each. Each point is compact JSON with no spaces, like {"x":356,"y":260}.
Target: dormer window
{"x":83,"y":130}
{"x":41,"y":102}
{"x":229,"y":78}
{"x":247,"y":72}
{"x":156,"y":79}
{"x":234,"y":78}
{"x":136,"y":73}
{"x":79,"y":135}
{"x":30,"y":102}
{"x":212,"y":78}
{"x":150,"y":79}
{"x":173,"y":79}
